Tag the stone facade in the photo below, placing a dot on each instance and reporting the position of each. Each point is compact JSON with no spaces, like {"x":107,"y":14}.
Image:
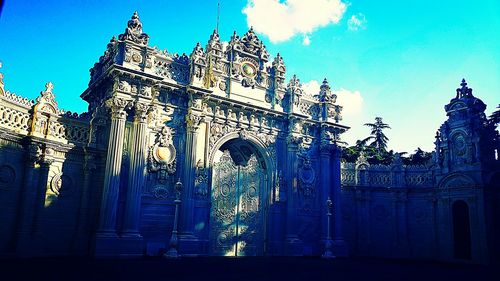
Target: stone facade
{"x":446,"y":209}
{"x":250,"y":160}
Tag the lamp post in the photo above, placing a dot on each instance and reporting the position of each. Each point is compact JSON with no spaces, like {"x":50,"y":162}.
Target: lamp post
{"x":174,"y":241}
{"x":328,"y":242}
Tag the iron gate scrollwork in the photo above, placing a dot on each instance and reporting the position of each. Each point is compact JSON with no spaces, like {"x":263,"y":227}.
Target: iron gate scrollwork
{"x":236,"y":217}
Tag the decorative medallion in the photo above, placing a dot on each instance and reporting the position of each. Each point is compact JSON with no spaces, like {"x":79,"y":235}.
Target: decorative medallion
{"x":162,"y":155}
{"x":222,"y":86}
{"x":248,"y":69}
{"x":165,"y":155}
{"x":136,"y":57}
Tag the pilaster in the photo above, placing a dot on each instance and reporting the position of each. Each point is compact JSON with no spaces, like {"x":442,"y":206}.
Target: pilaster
{"x":187,"y":240}
{"x":131,"y":219}
{"x":136,"y":173}
{"x":106,"y":231}
{"x":293,"y":245}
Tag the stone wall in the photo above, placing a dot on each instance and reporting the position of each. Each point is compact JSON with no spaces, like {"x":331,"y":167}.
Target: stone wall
{"x":47,"y":204}
{"x":402,"y":212}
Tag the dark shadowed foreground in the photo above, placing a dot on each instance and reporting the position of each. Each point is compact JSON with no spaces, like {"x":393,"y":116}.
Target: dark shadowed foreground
{"x":270,"y":268}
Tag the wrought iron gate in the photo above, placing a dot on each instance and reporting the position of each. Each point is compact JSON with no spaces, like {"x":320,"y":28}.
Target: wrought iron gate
{"x":236,"y":216}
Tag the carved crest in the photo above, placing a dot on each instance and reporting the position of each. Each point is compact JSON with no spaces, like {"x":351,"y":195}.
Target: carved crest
{"x":162,"y":155}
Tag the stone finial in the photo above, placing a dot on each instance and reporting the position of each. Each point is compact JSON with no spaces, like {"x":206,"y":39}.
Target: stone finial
{"x":325,"y":92}
{"x":234,"y":37}
{"x":49,"y":86}
{"x":463,"y":91}
{"x":278,"y":61}
{"x":215,"y":36}
{"x":197,"y":50}
{"x":214,"y":46}
{"x":463,"y":84}
{"x":133,"y":32}
{"x":294,"y":82}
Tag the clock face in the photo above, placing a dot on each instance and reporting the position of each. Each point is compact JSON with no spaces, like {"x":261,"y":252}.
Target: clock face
{"x":248,"y":70}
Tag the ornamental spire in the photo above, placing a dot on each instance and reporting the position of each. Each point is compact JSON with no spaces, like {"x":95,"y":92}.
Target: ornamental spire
{"x":133,"y":32}
{"x":464,"y":91}
{"x":325,"y":93}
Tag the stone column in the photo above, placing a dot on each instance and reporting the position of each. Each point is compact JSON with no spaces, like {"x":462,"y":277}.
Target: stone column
{"x":293,"y":245}
{"x":187,"y":239}
{"x":136,"y":173}
{"x":107,"y":217}
{"x":339,"y":245}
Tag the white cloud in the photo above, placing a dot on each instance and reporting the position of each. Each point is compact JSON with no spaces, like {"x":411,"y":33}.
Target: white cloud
{"x":311,"y":87}
{"x":356,"y":22}
{"x":351,"y":101}
{"x":282,"y":20}
{"x":306,"y":41}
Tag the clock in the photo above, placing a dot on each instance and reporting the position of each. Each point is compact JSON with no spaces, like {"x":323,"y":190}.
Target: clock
{"x":248,"y":69}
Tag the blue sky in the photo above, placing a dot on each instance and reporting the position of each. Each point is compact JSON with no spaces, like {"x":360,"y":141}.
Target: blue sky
{"x":401,"y":60}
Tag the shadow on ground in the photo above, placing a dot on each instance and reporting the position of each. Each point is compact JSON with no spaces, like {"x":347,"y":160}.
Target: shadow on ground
{"x":240,"y":269}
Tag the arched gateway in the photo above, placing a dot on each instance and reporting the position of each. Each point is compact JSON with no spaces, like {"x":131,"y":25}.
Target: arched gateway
{"x":240,"y":189}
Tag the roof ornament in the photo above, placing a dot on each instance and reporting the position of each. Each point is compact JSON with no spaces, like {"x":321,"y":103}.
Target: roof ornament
{"x":251,"y":44}
{"x":278,"y":66}
{"x":325,"y":93}
{"x":464,"y":91}
{"x":134,"y":31}
{"x":49,"y":86}
{"x":46,"y":102}
{"x":294,"y":82}
{"x":214,"y":46}
{"x":197,"y":51}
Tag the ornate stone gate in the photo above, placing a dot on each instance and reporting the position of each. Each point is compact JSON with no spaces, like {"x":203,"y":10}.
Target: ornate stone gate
{"x":238,"y":210}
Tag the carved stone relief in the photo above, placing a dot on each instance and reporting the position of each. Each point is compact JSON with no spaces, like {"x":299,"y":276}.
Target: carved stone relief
{"x":162,"y":155}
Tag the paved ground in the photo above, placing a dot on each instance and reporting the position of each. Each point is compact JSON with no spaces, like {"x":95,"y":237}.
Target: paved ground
{"x":240,"y":269}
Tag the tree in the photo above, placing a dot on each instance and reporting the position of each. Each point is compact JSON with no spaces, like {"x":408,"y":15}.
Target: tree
{"x":495,"y":116}
{"x":420,"y":157}
{"x":379,"y":139}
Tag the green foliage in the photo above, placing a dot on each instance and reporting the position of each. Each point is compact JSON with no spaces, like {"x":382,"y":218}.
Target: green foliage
{"x":377,"y":136}
{"x":376,"y":152}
